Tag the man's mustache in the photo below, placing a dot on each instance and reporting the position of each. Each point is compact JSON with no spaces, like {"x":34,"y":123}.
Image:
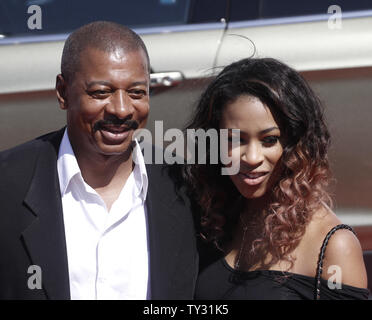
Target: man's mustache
{"x":128,"y":123}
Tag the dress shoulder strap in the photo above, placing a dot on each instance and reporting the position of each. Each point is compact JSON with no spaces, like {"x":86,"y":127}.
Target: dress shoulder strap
{"x":321,"y":256}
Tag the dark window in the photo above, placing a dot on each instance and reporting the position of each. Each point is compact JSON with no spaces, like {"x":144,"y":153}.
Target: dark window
{"x":288,"y":8}
{"x":261,"y":9}
{"x":244,"y":10}
{"x":207,"y":10}
{"x":63,"y":16}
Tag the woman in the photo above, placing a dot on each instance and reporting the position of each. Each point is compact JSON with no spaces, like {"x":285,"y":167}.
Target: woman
{"x":272,"y":220}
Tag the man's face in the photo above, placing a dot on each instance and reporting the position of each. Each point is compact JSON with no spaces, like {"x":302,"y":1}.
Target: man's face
{"x":106,"y":100}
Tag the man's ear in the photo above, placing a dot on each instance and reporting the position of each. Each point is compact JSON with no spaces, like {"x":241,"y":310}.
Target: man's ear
{"x":61,"y":89}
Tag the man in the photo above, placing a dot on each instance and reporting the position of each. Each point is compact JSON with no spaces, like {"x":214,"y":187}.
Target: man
{"x":82,"y":216}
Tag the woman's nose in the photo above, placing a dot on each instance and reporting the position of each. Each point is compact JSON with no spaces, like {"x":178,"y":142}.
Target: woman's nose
{"x":252,"y":154}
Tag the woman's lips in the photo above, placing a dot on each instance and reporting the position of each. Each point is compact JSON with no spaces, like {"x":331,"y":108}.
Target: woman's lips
{"x":115,"y":135}
{"x":253,"y":178}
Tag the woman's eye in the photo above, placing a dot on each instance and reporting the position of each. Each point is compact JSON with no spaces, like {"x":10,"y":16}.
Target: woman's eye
{"x":270,"y":140}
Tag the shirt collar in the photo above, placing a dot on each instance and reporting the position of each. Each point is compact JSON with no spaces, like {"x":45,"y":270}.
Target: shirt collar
{"x":68,"y":167}
{"x":67,"y":164}
{"x":139,"y":171}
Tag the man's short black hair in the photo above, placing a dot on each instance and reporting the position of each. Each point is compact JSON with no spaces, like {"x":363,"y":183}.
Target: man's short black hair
{"x":102,"y":35}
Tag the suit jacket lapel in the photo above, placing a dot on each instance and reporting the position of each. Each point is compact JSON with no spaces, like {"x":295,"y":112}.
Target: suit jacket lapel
{"x":45,"y":237}
{"x":165,"y":236}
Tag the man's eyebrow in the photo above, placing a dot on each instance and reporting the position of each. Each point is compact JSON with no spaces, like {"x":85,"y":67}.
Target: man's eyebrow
{"x":101,"y":82}
{"x":140,"y":83}
{"x":107,"y":83}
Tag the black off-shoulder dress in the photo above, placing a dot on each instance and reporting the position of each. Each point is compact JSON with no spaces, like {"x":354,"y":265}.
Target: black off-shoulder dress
{"x":221,"y":282}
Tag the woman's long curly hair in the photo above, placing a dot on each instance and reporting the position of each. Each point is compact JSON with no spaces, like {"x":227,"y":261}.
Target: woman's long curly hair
{"x":305,"y":174}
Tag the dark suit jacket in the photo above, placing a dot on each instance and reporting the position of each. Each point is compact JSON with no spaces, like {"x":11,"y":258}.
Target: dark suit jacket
{"x":32,"y":228}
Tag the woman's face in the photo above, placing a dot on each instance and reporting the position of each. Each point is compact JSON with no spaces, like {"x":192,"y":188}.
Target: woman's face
{"x":259,"y":149}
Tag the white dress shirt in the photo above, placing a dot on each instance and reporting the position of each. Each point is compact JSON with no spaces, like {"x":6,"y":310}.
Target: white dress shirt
{"x":107,"y":251}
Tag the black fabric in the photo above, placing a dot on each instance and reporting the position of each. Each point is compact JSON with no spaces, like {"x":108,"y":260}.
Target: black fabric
{"x":221,"y":282}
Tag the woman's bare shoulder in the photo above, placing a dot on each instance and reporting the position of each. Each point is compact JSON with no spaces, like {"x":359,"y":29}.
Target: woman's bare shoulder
{"x":307,"y":252}
{"x":343,"y":251}
{"x":324,"y":219}
{"x":345,"y":254}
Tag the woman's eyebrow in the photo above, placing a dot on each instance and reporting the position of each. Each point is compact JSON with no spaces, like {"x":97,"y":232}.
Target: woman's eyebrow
{"x":268,"y":130}
{"x":230,"y":130}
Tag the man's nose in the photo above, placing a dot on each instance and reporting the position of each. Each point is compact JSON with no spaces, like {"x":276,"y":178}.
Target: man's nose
{"x":252,"y":154}
{"x":120,"y":105}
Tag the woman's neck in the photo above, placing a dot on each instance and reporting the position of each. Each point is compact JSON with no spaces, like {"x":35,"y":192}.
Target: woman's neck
{"x":249,"y":227}
{"x":254,"y":210}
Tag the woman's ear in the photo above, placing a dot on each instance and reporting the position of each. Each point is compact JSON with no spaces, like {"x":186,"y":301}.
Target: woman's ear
{"x":61,"y":87}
